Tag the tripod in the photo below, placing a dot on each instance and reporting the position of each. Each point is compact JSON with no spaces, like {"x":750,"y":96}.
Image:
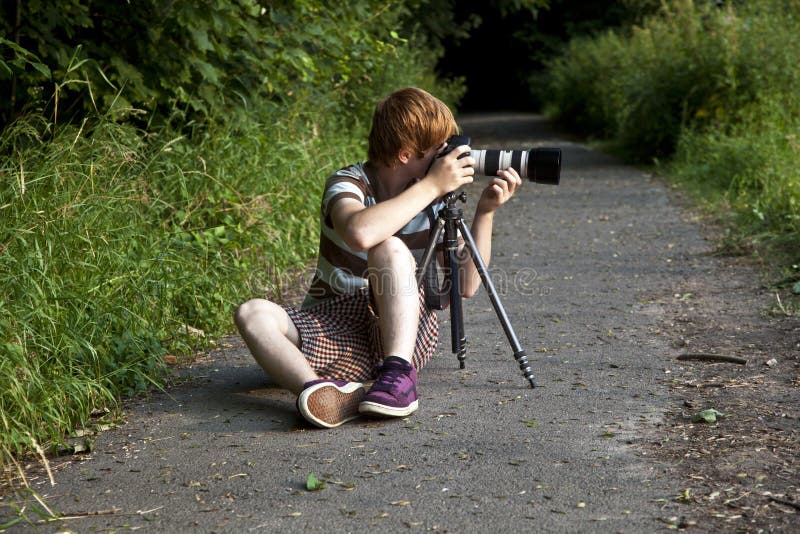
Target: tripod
{"x":450,"y":221}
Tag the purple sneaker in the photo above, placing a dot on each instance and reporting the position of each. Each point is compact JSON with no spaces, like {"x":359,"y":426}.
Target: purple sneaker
{"x":329,"y":403}
{"x":394,"y":393}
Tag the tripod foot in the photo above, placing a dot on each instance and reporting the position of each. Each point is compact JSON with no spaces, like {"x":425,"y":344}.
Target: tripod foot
{"x":522,"y":360}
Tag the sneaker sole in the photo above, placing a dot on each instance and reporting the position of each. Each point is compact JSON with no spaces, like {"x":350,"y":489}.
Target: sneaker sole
{"x":327,"y":405}
{"x":374,"y":408}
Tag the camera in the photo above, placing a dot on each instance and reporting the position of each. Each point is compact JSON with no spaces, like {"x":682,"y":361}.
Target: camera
{"x":540,"y":165}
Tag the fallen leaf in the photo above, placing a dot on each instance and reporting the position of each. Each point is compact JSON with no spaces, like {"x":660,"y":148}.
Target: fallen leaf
{"x":708,"y":416}
{"x":191,"y":331}
{"x":313,"y":483}
{"x":400,"y":503}
{"x":81,"y":447}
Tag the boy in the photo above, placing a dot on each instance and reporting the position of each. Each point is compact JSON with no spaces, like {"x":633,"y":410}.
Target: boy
{"x":364,"y":316}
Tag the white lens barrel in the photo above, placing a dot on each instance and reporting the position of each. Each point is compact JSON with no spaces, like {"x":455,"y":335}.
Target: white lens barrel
{"x":540,"y":165}
{"x":489,"y":161}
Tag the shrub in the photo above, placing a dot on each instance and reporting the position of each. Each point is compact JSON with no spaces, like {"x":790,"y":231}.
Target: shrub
{"x":754,"y":165}
{"x":212,"y":60}
{"x":714,"y":87}
{"x":583,"y":88}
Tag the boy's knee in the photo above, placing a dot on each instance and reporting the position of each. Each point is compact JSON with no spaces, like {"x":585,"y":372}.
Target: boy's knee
{"x":391,"y":252}
{"x":253,"y":309}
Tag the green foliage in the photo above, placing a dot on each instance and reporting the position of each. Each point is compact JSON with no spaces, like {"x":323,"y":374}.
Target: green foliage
{"x":190,"y":184}
{"x":115,"y":238}
{"x":583,"y":84}
{"x":218,"y":59}
{"x":752,"y":166}
{"x":714,"y":87}
{"x":642,"y":86}
{"x":19,"y":60}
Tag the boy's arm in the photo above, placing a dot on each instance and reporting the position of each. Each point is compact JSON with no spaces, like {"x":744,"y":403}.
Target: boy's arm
{"x":361,"y":228}
{"x":495,"y":195}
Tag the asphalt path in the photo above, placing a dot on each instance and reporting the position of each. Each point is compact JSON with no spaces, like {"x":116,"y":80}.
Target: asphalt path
{"x":575,"y":266}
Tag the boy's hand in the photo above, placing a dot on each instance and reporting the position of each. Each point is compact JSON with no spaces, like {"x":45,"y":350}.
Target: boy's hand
{"x":449,"y":173}
{"x":499,"y":190}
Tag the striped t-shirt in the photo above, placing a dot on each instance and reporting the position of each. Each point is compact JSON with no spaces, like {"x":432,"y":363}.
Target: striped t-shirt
{"x":341,"y":270}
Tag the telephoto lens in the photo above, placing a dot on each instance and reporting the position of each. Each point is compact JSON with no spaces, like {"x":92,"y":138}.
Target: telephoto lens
{"x":540,"y":165}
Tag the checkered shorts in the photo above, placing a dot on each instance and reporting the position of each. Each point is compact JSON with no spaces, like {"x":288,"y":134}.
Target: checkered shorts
{"x":340,"y":337}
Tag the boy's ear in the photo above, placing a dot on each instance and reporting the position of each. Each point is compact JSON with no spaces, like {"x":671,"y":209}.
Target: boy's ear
{"x":404,"y":156}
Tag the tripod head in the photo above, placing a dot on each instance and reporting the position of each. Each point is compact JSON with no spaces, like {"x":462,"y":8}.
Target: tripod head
{"x":451,"y":197}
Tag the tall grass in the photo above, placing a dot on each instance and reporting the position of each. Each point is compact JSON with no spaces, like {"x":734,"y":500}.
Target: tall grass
{"x":710,"y":89}
{"x":115,"y":240}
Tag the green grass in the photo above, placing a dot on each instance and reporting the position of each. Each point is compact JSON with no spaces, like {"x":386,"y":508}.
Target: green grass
{"x":117,"y":238}
{"x":114,"y":239}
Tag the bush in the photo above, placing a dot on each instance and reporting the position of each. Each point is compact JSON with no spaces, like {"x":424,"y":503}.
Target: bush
{"x":115,"y":240}
{"x":750,"y":149}
{"x":714,"y":87}
{"x":583,"y":92}
{"x":211,"y":60}
{"x":642,"y":86}
{"x":753,"y":165}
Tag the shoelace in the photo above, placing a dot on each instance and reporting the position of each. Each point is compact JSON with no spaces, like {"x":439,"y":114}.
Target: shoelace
{"x":389,"y":378}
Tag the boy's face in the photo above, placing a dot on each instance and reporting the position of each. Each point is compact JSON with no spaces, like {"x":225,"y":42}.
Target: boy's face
{"x":419,"y":164}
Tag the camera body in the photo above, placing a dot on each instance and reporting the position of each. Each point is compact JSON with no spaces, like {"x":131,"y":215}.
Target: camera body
{"x":540,"y":165}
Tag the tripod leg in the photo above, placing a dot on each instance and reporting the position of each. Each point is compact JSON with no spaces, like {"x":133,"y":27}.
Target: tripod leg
{"x":446,"y":222}
{"x":427,"y":256}
{"x":457,"y":333}
{"x":519,"y":354}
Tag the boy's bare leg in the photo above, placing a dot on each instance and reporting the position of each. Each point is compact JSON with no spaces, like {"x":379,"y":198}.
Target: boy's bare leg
{"x":393,"y":281}
{"x":273,"y":340}
{"x":394,"y":285}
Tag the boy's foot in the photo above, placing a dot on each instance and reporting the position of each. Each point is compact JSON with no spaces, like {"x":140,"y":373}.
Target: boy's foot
{"x":394,"y":393}
{"x":329,"y":403}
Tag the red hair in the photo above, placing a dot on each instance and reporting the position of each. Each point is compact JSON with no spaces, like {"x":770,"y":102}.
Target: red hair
{"x":408,"y":119}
